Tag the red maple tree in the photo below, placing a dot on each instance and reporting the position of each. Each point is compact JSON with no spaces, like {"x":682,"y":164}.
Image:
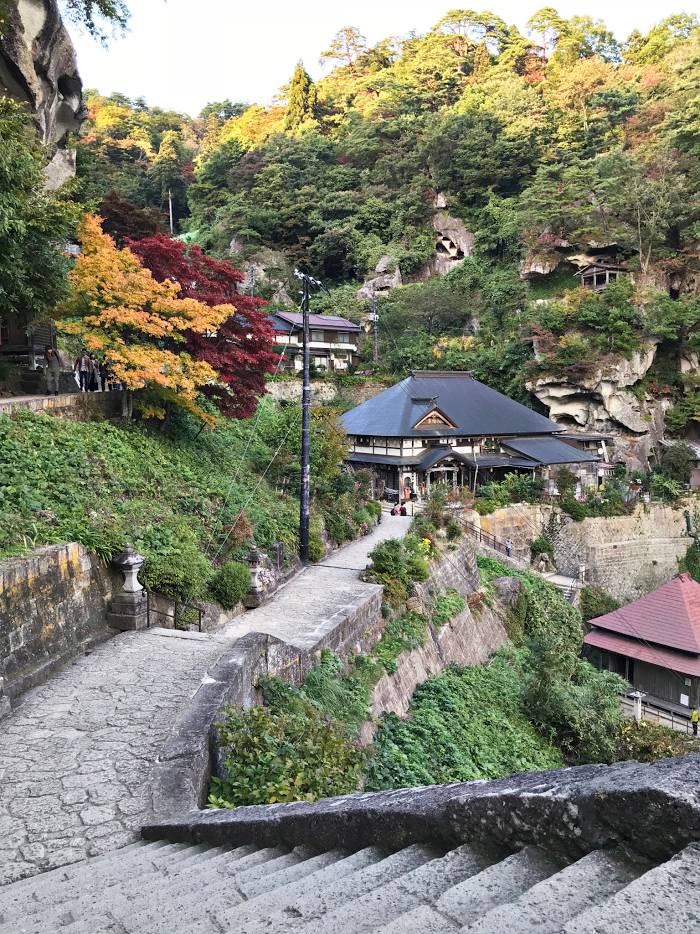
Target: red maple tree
{"x":242,"y":349}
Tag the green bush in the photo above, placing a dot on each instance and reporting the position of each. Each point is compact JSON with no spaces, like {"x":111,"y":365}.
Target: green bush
{"x":647,"y":742}
{"x":182,"y":574}
{"x":275,"y":755}
{"x":446,"y":607}
{"x":403,"y":634}
{"x":464,"y":724}
{"x":230,"y":584}
{"x":578,"y":511}
{"x":542,"y":545}
{"x":596,"y":602}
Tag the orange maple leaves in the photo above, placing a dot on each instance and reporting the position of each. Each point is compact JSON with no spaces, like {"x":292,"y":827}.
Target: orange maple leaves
{"x":120,"y":312}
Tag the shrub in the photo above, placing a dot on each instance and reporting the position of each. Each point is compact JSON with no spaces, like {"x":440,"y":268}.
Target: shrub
{"x":647,"y":742}
{"x":230,"y":584}
{"x":374,"y":508}
{"x":179,"y":574}
{"x":317,"y":549}
{"x":453,"y":529}
{"x":403,"y":634}
{"x":578,"y":511}
{"x":677,"y":461}
{"x":596,"y":602}
{"x":542,"y":545}
{"x":274,"y":755}
{"x":464,"y":724}
{"x":447,"y":606}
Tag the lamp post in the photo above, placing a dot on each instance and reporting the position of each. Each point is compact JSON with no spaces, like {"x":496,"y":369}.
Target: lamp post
{"x":304,"y":486}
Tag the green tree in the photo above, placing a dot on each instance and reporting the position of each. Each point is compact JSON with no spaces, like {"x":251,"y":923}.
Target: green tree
{"x":34,"y":224}
{"x":347,"y":45}
{"x":301,"y":100}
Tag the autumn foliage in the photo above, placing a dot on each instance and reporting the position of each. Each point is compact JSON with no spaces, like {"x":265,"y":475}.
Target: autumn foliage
{"x":241,"y":348}
{"x":138,"y":325}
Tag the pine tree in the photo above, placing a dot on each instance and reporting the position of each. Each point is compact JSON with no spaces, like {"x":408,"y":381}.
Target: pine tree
{"x":301,"y":103}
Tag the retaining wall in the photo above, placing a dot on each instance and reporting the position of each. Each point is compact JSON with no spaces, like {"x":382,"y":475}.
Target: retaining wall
{"x":77,"y":405}
{"x":467,"y":639}
{"x":625,"y":555}
{"x":52,"y":607}
{"x":181,"y":777}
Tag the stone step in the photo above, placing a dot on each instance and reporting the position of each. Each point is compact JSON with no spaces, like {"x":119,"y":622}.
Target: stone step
{"x":169,"y":902}
{"x":325,"y":898}
{"x":77,"y":904}
{"x":663,"y":900}
{"x":383,"y":903}
{"x":101,"y":872}
{"x":277,"y":899}
{"x":175,"y":905}
{"x":557,"y":899}
{"x":502,"y":882}
{"x":130,"y":851}
{"x":185,"y":913}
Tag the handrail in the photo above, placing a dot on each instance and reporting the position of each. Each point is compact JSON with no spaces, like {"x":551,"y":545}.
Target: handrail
{"x":487,"y":538}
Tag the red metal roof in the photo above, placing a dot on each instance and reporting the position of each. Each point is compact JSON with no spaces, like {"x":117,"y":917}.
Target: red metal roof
{"x":664,"y":658}
{"x":669,"y":616}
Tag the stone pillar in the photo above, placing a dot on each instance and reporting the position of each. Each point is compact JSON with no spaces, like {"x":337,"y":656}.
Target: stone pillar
{"x":4,"y":701}
{"x":637,"y":697}
{"x":129,"y":607}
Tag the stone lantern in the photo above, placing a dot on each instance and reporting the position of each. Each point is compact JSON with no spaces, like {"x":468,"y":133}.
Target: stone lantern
{"x":129,"y":607}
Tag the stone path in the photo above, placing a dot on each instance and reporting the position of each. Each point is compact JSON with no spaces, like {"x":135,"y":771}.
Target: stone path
{"x":75,"y":754}
{"x":308,"y":607}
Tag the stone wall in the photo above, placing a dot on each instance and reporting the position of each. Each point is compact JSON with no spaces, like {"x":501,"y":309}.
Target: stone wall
{"x":468,"y":639}
{"x":52,"y":607}
{"x":75,"y":405}
{"x":625,"y":555}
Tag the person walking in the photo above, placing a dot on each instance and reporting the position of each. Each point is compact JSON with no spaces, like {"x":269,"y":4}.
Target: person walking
{"x":694,"y":717}
{"x":105,"y":377}
{"x":509,"y":548}
{"x":94,"y":383}
{"x":52,"y":371}
{"x":83,"y":369}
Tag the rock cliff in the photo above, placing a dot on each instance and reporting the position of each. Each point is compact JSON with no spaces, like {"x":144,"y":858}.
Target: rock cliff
{"x":603,"y":401}
{"x":38,"y":67}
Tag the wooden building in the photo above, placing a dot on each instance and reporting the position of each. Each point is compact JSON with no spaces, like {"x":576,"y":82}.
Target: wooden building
{"x":448,"y":429}
{"x":598,"y":276}
{"x":654,"y":643}
{"x":333,"y":343}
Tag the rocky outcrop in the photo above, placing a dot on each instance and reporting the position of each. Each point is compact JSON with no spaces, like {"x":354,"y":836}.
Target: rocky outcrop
{"x":38,"y":67}
{"x":454,"y":243}
{"x":266,"y":269}
{"x":388,"y":278}
{"x":539,"y":263}
{"x":602,"y":401}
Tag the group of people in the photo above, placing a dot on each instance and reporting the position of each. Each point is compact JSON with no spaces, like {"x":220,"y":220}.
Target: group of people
{"x":91,"y":374}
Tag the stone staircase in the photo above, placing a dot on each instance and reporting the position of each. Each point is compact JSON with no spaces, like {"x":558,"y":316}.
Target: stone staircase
{"x":156,"y":887}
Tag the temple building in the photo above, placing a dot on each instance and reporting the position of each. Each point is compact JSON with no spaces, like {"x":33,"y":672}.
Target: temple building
{"x":449,"y":429}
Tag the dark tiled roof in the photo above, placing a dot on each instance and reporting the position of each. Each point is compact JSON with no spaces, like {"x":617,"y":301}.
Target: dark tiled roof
{"x":669,"y":616}
{"x":550,"y":451}
{"x":475,"y":410}
{"x":327,"y":322}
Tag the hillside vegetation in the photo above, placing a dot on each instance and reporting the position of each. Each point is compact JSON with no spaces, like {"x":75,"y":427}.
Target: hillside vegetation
{"x":561,"y":141}
{"x":188,"y":500}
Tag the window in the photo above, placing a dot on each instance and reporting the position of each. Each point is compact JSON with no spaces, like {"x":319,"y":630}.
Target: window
{"x":317,"y":336}
{"x":343,"y":338}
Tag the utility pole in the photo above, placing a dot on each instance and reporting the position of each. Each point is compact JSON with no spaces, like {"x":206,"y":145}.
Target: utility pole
{"x":374,"y":318}
{"x":170,"y":211}
{"x":304,"y":487}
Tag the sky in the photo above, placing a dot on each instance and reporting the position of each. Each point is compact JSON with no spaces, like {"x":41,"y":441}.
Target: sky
{"x":180,"y":54}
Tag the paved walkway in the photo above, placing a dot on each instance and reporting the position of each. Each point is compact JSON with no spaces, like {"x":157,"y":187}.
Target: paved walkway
{"x":309,"y":605}
{"x":75,"y":754}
